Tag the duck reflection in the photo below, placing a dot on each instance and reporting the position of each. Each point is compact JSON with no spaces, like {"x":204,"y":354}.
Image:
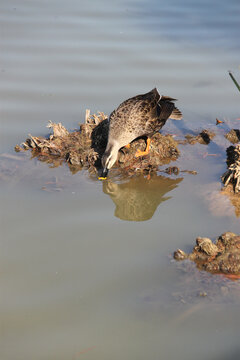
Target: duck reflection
{"x":138,"y":199}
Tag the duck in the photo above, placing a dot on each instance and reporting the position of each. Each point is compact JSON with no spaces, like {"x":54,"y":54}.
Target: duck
{"x":140,"y":116}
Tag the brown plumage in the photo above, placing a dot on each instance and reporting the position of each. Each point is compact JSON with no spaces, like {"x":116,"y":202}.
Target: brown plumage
{"x":141,"y":115}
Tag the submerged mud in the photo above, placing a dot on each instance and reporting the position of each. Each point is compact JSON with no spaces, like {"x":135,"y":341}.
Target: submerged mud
{"x":220,"y":257}
{"x":197,"y":288}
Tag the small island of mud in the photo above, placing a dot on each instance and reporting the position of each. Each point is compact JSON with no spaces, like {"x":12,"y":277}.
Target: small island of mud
{"x":222,"y":257}
{"x":83,"y":148}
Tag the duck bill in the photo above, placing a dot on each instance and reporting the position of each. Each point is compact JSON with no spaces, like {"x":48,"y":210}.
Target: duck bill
{"x":103,"y":174}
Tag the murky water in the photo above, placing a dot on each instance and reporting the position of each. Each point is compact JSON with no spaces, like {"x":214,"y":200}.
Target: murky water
{"x":82,"y":275}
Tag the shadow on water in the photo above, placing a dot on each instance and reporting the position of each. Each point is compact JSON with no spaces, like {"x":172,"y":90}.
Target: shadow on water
{"x":138,"y":199}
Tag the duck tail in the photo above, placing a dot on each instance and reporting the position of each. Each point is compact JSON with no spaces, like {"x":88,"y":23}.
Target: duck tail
{"x":176,"y":114}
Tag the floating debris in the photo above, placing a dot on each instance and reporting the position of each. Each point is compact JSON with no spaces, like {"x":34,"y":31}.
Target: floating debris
{"x":220,"y":257}
{"x":219,"y":121}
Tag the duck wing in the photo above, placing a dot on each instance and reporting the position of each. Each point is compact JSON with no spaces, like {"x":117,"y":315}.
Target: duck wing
{"x":138,"y":104}
{"x":158,"y":115}
{"x":129,"y":120}
{"x":141,"y":115}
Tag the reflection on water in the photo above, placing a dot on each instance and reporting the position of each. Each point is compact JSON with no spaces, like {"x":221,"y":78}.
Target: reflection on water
{"x":138,"y":199}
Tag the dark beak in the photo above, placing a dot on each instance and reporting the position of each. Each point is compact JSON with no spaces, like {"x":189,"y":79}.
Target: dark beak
{"x":103,"y":175}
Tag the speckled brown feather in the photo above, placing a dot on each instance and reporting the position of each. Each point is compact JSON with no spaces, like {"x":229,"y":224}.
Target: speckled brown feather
{"x":141,"y":115}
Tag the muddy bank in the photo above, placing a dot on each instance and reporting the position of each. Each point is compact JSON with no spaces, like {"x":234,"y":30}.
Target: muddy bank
{"x":84,"y":148}
{"x":221,"y":257}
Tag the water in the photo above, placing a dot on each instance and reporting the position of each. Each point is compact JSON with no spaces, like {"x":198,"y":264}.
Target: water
{"x":82,"y":275}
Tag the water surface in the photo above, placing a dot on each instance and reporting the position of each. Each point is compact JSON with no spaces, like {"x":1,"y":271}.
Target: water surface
{"x":82,"y":275}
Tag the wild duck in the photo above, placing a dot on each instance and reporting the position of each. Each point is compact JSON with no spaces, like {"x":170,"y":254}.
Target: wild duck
{"x":141,"y":115}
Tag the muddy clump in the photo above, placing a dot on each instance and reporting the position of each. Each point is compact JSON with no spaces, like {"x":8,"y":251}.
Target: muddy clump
{"x":231,"y":177}
{"x":233,"y":136}
{"x":204,"y":138}
{"x":220,"y":257}
{"x":84,"y":148}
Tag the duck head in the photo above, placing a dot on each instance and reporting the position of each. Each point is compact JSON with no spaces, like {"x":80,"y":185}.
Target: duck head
{"x":108,"y":159}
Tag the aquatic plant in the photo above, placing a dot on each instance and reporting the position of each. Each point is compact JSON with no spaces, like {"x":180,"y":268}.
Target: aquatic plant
{"x":234,"y":80}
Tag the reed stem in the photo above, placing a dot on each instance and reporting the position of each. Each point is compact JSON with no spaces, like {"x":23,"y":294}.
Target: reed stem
{"x":234,"y":80}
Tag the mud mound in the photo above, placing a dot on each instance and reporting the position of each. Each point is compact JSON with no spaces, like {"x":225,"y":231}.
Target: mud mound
{"x":220,"y":257}
{"x":84,"y":148}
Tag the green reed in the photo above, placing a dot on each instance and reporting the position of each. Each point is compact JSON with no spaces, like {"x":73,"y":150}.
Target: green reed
{"x":234,"y":80}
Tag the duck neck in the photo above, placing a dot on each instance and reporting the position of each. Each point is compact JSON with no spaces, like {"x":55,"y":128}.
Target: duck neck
{"x":112,"y":147}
